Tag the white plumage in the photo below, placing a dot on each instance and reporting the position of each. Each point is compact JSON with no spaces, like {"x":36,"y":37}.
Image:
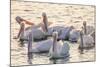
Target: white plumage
{"x":42,"y":46}
{"x":88,"y":41}
{"x":38,"y":33}
{"x":59,"y":49}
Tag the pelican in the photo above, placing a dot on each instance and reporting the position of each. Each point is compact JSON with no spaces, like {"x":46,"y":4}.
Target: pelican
{"x":59,"y":49}
{"x":86,"y":41}
{"x":63,"y":32}
{"x":88,"y":30}
{"x":24,"y":32}
{"x":40,"y":31}
{"x":50,"y":28}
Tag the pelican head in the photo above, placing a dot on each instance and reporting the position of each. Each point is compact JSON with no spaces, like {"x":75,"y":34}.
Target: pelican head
{"x":45,"y":21}
{"x":44,"y":17}
{"x":43,"y":14}
{"x":55,"y":35}
{"x":18,"y":19}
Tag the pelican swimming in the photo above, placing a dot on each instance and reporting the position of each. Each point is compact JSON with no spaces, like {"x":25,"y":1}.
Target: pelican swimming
{"x":88,"y":30}
{"x":59,"y":49}
{"x":86,"y":40}
{"x":50,"y":28}
{"x":63,"y":32}
{"x":40,"y":31}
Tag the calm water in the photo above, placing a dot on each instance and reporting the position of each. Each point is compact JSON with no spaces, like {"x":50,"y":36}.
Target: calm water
{"x":71,"y":14}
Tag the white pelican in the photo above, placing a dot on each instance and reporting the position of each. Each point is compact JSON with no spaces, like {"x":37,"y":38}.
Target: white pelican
{"x":86,"y":41}
{"x":87,"y":38}
{"x":50,"y":28}
{"x":63,"y":32}
{"x":59,"y":49}
{"x":24,"y":32}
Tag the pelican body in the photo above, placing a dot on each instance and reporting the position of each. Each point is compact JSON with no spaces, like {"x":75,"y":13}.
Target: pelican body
{"x":59,"y":49}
